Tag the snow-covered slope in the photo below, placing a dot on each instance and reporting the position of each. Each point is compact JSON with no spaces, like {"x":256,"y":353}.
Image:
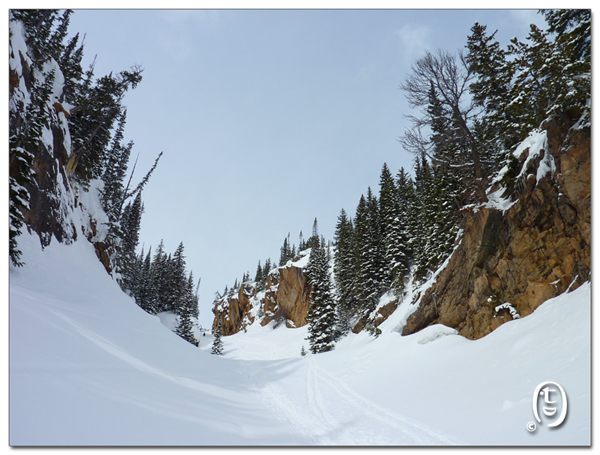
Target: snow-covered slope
{"x":87,"y":366}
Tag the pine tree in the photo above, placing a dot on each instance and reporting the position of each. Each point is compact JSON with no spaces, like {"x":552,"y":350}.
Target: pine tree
{"x":158,"y":275}
{"x":178,"y":277}
{"x":391,"y":229}
{"x":186,"y":310}
{"x":313,"y":240}
{"x":145,"y":290}
{"x":301,"y":242}
{"x":129,"y":235}
{"x":258,"y":277}
{"x":217,"y":346}
{"x":344,"y":270}
{"x":115,"y":168}
{"x":322,"y":315}
{"x":491,"y":89}
{"x":369,"y":273}
{"x":287,"y":252}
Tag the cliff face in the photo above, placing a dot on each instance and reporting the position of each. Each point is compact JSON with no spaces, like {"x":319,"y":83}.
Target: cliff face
{"x":58,"y":207}
{"x":287,"y":297}
{"x":284,"y":300}
{"x":234,"y":310}
{"x":512,"y":258}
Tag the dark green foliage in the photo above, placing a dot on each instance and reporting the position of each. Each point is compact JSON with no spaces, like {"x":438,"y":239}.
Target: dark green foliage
{"x":344,"y":269}
{"x":130,"y":233}
{"x":288,"y":251}
{"x":322,"y":315}
{"x":187,"y":306}
{"x":313,"y":240}
{"x":217,"y":346}
{"x":521,"y":86}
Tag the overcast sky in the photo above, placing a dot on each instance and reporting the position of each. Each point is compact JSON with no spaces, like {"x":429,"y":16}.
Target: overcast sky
{"x":267,"y":119}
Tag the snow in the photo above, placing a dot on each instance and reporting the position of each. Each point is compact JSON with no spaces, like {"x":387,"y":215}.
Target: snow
{"x":496,"y":201}
{"x":508,"y":306}
{"x":89,"y":367}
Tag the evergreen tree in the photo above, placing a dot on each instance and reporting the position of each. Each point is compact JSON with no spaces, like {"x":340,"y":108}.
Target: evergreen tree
{"x":217,"y":346}
{"x":130,"y":233}
{"x":179,"y":283}
{"x":145,"y":290}
{"x":258,"y":276}
{"x":368,"y":285}
{"x":158,"y":274}
{"x":186,"y":311}
{"x":115,"y":168}
{"x":287,"y":252}
{"x":301,"y":242}
{"x":322,"y":315}
{"x":408,"y":213}
{"x":344,"y":270}
{"x":391,"y":229}
{"x":91,"y":121}
{"x":491,"y":88}
{"x":313,"y":240}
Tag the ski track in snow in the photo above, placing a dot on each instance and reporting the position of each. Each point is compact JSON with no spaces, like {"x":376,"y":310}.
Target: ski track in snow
{"x":331,"y":413}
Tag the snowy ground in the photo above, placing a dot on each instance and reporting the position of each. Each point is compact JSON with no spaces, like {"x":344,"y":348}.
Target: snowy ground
{"x":88,"y":367}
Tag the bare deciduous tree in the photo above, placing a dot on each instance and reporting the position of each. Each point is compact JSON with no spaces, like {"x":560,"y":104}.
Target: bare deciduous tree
{"x":446,"y":77}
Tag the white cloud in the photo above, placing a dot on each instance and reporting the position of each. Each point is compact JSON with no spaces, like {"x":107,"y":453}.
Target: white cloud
{"x":414,"y":40}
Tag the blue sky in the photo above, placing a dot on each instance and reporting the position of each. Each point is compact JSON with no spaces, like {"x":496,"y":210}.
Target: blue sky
{"x":267,"y":119}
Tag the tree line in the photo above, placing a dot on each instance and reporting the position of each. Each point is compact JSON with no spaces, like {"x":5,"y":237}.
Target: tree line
{"x":98,"y":156}
{"x":470,"y":110}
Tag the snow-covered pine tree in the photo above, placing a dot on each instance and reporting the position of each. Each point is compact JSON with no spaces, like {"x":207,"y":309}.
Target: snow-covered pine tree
{"x":158,"y":275}
{"x":491,"y":89}
{"x":400,"y":230}
{"x":343,"y":269}
{"x":178,"y":281}
{"x":144,"y":290}
{"x":113,"y":177}
{"x":322,"y":314}
{"x":98,"y":107}
{"x":186,"y":310}
{"x":369,"y":250}
{"x":217,"y":346}
{"x":129,"y":234}
{"x":391,"y":229}
{"x":424,"y":220}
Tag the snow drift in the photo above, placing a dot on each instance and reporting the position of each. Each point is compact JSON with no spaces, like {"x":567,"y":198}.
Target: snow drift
{"x":89,"y":367}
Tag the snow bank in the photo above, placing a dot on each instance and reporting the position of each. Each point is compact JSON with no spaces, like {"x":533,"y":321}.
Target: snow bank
{"x":89,"y":367}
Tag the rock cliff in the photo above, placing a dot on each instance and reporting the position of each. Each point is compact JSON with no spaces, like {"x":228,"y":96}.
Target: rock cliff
{"x":529,"y":243}
{"x":531,"y":246}
{"x":285,"y":299}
